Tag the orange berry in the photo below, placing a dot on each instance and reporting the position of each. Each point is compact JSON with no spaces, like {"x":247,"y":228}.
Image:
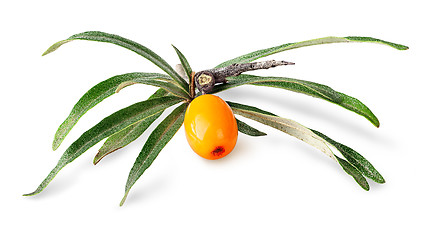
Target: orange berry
{"x":210,"y":127}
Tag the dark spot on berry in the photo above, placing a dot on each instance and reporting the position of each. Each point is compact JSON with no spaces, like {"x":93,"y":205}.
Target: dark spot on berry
{"x":218,"y":151}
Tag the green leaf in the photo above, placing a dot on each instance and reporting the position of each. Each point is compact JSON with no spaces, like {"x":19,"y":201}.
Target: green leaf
{"x":250,"y":57}
{"x":155,"y":143}
{"x":123,"y":138}
{"x":355,"y":158}
{"x":103,"y":90}
{"x":105,"y":128}
{"x":184,"y":62}
{"x":126,"y":43}
{"x":305,"y":87}
{"x":248,"y":130}
{"x":375,"y":40}
{"x":128,"y":134}
{"x":301,"y":86}
{"x":285,"y":125}
{"x":358,"y":107}
{"x":352,"y":171}
{"x":240,"y":106}
{"x":162,"y":81}
{"x":356,"y":166}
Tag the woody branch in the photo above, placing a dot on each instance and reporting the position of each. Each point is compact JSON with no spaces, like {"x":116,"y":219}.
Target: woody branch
{"x":205,"y":80}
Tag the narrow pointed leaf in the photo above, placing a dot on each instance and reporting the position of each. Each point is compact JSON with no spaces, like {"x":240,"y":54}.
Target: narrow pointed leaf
{"x":123,"y":138}
{"x":155,"y":143}
{"x":248,"y":108}
{"x":100,"y":92}
{"x":108,"y":126}
{"x":250,"y":57}
{"x":355,"y":158}
{"x":128,"y":134}
{"x":248,"y":130}
{"x":309,"y":88}
{"x":285,"y":125}
{"x":355,"y":105}
{"x":126,"y":43}
{"x":163,"y":82}
{"x":376,"y":40}
{"x":301,"y":86}
{"x":352,"y":171}
{"x":184,"y":62}
{"x":314,"y":138}
{"x":347,"y":102}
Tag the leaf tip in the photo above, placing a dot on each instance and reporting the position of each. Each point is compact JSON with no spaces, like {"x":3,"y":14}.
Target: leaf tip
{"x":124,"y":198}
{"x":100,"y":155}
{"x":370,"y":39}
{"x":96,"y":159}
{"x":403,"y":47}
{"x":49,"y":50}
{"x":176,"y":49}
{"x":124,"y":85}
{"x":59,"y":136}
{"x":32,"y":193}
{"x":374,"y":120}
{"x":55,"y":46}
{"x":379,"y":179}
{"x":54,"y":146}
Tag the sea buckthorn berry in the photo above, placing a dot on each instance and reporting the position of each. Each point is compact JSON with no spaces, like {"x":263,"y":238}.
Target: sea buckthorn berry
{"x":210,"y":127}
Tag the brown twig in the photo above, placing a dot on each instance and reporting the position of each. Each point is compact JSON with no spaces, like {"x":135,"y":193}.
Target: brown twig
{"x":192,"y":86}
{"x":205,"y":80}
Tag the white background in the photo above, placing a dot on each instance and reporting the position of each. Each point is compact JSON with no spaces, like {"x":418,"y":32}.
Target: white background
{"x":273,"y":187}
